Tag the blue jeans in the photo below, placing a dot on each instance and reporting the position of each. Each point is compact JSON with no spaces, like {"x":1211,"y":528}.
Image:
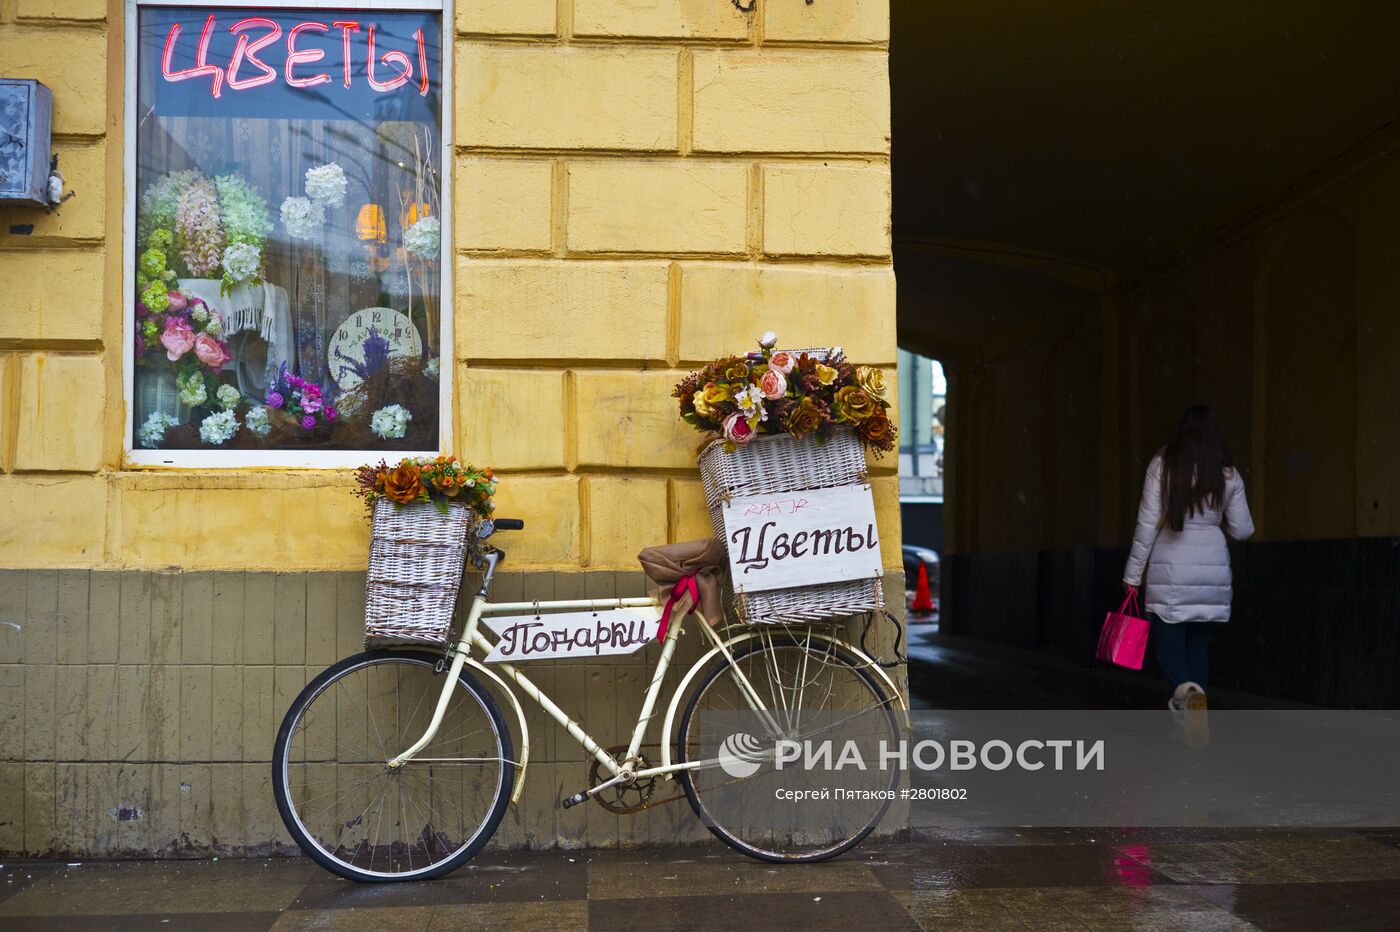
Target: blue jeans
{"x":1183,"y":650}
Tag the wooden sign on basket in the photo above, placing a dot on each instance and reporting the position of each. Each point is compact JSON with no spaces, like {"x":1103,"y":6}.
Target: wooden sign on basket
{"x":805,"y":538}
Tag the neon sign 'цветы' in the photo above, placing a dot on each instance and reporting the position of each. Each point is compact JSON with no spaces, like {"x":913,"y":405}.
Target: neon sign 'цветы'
{"x":256,"y":33}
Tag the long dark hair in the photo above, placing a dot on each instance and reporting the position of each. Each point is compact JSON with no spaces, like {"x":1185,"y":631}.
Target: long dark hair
{"x":1194,"y":466}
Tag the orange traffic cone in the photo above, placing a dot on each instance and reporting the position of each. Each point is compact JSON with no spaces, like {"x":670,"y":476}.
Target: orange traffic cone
{"x":923,"y":599}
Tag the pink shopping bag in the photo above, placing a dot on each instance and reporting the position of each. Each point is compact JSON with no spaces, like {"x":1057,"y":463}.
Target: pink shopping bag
{"x":1123,"y":639}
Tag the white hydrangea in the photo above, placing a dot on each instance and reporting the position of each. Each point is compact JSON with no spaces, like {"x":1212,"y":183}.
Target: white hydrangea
{"x":390,"y":422}
{"x":433,"y":369}
{"x":424,"y":238}
{"x":325,"y":184}
{"x":214,"y":325}
{"x":257,"y":421}
{"x":228,"y":397}
{"x":303,"y":218}
{"x":192,"y":390}
{"x":241,"y":261}
{"x":152,"y":432}
{"x":199,"y":314}
{"x":218,"y":428}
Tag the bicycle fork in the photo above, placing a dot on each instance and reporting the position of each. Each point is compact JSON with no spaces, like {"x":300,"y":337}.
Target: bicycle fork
{"x":454,"y":670}
{"x":459,"y":658}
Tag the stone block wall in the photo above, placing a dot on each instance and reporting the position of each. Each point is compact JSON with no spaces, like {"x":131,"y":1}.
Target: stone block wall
{"x":638,"y":186}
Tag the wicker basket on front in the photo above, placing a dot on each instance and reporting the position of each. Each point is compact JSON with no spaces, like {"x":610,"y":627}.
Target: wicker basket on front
{"x":416,"y":555}
{"x":776,"y":463}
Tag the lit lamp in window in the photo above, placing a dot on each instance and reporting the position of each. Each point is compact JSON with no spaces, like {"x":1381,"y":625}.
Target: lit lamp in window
{"x":371,"y":229}
{"x":415,"y":213}
{"x":369,"y":223}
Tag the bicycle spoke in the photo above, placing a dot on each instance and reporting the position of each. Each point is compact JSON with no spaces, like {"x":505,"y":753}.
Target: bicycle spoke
{"x":815,"y":691}
{"x":386,"y":824}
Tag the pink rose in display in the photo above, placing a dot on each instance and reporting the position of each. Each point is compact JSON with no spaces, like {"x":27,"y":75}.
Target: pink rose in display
{"x":178,"y":338}
{"x":782,"y":363}
{"x":308,"y":422}
{"x":773,"y":385}
{"x":310,"y":403}
{"x":737,"y":429}
{"x":178,"y":302}
{"x":331,"y":414}
{"x":208,"y":350}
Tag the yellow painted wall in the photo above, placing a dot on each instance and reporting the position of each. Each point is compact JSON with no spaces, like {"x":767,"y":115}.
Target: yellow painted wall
{"x":639,"y":186}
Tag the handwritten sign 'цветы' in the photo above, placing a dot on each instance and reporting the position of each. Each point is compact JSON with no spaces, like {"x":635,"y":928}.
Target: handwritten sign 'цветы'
{"x":805,"y":538}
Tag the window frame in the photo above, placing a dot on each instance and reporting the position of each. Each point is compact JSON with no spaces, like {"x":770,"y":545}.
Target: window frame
{"x":135,"y":456}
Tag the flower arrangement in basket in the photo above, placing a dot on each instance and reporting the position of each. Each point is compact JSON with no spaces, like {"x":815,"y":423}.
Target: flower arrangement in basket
{"x":425,"y":512}
{"x":440,"y":481}
{"x":816,"y":415}
{"x":802,"y":393}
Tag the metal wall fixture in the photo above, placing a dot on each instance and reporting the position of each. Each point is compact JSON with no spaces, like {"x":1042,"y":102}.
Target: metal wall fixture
{"x":26,"y":121}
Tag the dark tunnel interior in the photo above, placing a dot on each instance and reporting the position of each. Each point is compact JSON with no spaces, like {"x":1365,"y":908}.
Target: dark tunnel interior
{"x":1103,"y":217}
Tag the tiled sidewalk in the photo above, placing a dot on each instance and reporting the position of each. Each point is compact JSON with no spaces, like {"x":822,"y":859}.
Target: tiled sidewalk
{"x":1188,"y":880}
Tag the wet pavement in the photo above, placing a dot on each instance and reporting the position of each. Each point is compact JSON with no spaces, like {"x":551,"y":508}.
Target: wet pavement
{"x":1157,"y":879}
{"x":1051,"y":879}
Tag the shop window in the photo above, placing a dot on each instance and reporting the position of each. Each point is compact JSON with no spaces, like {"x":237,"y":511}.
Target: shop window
{"x":287,"y":291}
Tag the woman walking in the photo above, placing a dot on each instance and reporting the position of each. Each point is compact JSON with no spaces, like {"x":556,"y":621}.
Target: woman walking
{"x":1191,"y":499}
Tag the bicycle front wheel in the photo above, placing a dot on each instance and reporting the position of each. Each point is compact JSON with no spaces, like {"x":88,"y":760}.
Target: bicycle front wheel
{"x":358,"y":818}
{"x":788,"y":690}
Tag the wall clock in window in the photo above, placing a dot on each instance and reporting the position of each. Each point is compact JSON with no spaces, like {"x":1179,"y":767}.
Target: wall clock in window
{"x":356,"y":343}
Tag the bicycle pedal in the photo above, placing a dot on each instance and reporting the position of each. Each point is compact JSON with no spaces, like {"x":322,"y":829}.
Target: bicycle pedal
{"x":575,"y":799}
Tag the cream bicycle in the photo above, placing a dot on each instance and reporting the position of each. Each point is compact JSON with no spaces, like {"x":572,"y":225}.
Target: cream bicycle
{"x":397,"y":764}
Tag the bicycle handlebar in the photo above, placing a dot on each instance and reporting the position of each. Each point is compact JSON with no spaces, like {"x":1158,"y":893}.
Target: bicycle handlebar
{"x":509,"y":524}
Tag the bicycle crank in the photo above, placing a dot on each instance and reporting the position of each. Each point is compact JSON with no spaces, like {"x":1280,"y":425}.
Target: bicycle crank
{"x":626,"y":798}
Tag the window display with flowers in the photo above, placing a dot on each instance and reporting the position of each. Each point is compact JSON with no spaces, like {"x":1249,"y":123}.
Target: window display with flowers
{"x":285,"y":262}
{"x":805,"y":394}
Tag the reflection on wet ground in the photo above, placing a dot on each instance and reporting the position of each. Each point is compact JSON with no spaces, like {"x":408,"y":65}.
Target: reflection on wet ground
{"x":1046,"y":879}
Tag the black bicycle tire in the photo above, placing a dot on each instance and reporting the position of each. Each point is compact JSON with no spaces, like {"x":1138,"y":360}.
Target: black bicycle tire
{"x":722,"y":664}
{"x":312,"y":689}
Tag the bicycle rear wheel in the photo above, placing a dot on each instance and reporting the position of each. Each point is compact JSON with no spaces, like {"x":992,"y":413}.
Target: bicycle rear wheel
{"x":813,"y":691}
{"x":357,"y":818}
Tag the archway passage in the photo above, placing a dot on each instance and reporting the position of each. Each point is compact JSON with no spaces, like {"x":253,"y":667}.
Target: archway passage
{"x":1102,"y":217}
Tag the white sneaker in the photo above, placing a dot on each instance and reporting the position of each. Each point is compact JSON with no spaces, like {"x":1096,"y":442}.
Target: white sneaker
{"x":1177,"y":703}
{"x":1189,"y":702}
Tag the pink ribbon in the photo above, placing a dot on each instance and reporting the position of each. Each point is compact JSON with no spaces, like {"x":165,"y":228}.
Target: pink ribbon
{"x":684,"y":586}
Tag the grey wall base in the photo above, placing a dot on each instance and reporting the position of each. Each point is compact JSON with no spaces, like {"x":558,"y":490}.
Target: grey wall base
{"x":138,"y":710}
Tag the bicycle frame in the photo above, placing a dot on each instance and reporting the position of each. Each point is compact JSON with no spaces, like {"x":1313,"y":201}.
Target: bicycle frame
{"x":619,"y":770}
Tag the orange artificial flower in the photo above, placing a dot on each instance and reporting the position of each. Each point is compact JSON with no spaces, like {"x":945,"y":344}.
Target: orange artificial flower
{"x":403,"y":484}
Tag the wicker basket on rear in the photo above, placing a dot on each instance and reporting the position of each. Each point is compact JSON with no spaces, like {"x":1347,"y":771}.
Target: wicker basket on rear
{"x":416,"y":555}
{"x":780,"y":463}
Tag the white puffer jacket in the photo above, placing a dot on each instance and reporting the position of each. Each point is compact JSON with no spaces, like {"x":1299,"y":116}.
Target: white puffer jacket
{"x":1188,"y":573}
